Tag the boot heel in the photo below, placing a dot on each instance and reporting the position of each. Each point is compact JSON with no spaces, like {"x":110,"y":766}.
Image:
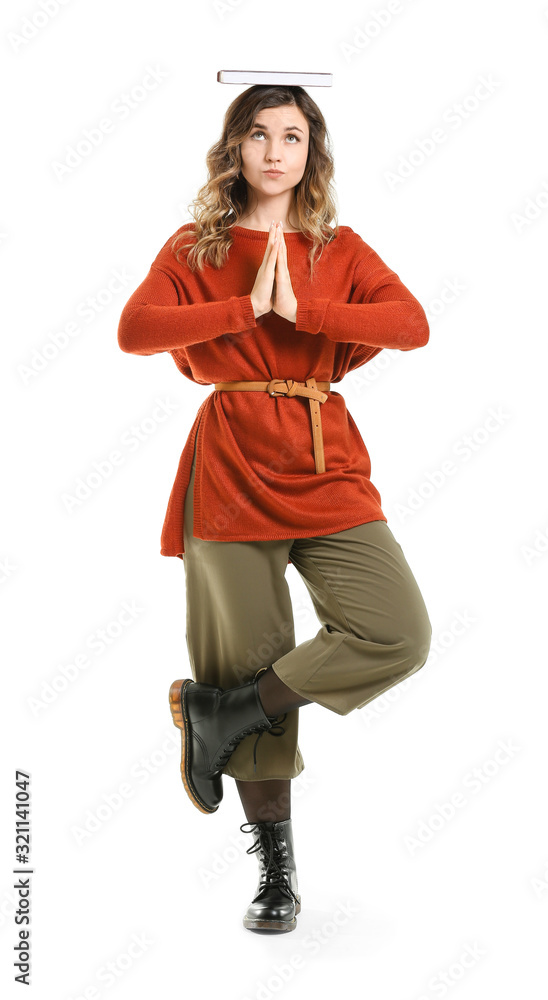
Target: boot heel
{"x":175,"y":703}
{"x":176,"y":698}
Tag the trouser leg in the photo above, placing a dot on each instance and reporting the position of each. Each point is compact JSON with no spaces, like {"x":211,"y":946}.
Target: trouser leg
{"x":239,"y":617}
{"x":375,"y":626}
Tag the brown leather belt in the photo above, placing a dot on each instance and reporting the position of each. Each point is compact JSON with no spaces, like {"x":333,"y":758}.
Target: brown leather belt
{"x":289,"y":387}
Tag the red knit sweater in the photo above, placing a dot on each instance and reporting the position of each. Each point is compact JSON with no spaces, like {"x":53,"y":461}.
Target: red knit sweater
{"x":255,"y":469}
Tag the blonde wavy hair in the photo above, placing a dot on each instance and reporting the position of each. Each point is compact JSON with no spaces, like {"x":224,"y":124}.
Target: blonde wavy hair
{"x":222,"y":200}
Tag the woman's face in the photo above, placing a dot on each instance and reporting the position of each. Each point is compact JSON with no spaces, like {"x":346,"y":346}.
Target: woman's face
{"x":277,"y":141}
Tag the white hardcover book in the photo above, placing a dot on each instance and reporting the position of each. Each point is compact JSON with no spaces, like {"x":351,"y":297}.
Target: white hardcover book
{"x":263,"y":76}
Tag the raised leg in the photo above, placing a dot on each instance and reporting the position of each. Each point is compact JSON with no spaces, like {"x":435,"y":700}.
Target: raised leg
{"x":275,"y":696}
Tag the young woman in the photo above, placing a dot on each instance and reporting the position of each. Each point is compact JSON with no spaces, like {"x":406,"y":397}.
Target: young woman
{"x":263,"y":298}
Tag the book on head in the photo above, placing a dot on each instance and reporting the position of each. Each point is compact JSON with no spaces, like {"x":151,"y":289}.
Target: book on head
{"x":263,"y":76}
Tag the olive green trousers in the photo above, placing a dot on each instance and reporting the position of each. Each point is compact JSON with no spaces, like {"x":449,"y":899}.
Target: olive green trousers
{"x":375,"y":630}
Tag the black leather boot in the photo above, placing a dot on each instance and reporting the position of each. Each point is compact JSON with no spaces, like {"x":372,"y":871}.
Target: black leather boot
{"x":213,"y":722}
{"x":277,"y":899}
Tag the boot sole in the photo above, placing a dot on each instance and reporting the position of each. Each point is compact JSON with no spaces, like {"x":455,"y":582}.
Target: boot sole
{"x":177,"y":704}
{"x":273,"y":925}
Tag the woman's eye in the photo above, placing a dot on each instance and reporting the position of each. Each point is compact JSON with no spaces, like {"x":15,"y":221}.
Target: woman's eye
{"x":290,"y":135}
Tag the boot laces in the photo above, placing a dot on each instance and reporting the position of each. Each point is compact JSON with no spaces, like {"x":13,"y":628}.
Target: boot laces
{"x":274,"y":858}
{"x":230,"y":747}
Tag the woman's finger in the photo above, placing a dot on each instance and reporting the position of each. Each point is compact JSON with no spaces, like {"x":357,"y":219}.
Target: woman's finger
{"x":271,"y":263}
{"x":270,"y":243}
{"x":282,"y":256}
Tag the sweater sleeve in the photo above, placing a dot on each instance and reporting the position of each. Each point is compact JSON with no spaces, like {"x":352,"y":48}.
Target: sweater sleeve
{"x":152,"y":320}
{"x":381,"y":312}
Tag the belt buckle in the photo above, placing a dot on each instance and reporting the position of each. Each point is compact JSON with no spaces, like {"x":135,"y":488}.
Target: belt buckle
{"x":272,"y":392}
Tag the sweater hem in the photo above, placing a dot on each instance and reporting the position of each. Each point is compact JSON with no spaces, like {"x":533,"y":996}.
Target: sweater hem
{"x":282,"y":537}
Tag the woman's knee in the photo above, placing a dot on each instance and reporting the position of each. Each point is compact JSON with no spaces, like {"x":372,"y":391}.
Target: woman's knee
{"x":418,"y":642}
{"x":408,"y":645}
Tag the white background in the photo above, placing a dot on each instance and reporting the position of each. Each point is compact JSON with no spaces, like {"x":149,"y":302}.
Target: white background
{"x":469,"y":216}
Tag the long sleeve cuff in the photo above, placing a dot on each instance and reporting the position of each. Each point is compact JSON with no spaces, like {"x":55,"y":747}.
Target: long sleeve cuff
{"x":248,"y":315}
{"x":310,"y":315}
